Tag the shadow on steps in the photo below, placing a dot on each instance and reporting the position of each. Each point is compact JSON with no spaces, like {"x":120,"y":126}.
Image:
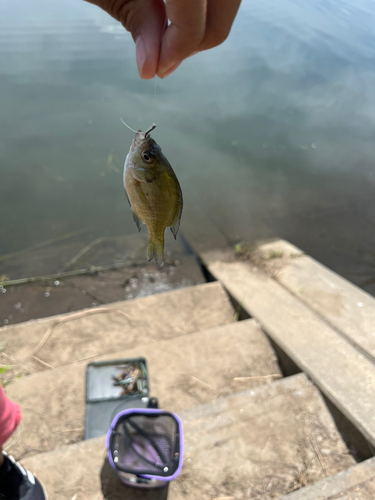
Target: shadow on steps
{"x":113,"y":489}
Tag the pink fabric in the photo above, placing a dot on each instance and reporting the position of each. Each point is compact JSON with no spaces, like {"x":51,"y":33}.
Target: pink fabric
{"x":10,"y":416}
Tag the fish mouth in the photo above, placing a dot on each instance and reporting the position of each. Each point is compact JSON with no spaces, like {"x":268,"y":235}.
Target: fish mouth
{"x":140,"y":137}
{"x":141,"y":143}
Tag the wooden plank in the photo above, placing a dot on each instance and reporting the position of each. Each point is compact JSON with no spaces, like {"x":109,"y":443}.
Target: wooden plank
{"x":263,"y":442}
{"x":355,"y":483}
{"x":83,"y":335}
{"x":184,"y":371}
{"x":342,"y":373}
{"x":346,"y":307}
{"x":258,"y":444}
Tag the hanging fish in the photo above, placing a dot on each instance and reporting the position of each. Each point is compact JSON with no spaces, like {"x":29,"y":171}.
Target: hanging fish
{"x":153,"y":192}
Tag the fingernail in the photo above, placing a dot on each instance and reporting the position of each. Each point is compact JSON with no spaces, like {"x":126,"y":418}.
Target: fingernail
{"x":140,"y":54}
{"x":170,"y":70}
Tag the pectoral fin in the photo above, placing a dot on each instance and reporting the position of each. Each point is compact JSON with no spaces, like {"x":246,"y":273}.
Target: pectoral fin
{"x":138,"y":222}
{"x":175,"y":228}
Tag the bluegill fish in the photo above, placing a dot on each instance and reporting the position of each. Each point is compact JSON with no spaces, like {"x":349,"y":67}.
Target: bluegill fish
{"x":153,"y":192}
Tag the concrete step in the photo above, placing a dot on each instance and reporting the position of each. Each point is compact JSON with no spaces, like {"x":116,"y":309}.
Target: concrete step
{"x":354,"y":483}
{"x":257,"y":444}
{"x":47,"y":343}
{"x":184,"y":372}
{"x":307,"y":338}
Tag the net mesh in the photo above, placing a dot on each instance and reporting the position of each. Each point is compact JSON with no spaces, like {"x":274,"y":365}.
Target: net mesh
{"x":143,"y":444}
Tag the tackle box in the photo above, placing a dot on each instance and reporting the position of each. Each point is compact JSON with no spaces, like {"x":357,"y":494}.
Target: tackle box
{"x":109,"y":391}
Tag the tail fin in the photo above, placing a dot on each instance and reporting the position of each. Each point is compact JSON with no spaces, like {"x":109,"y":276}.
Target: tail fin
{"x":155,"y":250}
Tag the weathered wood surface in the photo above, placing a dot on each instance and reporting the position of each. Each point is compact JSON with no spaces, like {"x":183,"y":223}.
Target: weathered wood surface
{"x":185,"y":371}
{"x":122,"y":325}
{"x":266,"y":442}
{"x":354,"y":483}
{"x":342,"y":372}
{"x":347,"y":308}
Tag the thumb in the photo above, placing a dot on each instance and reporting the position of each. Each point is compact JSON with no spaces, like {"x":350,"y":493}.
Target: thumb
{"x":146,"y":21}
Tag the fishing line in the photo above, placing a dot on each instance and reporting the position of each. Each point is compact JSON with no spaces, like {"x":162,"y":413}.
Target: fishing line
{"x":148,"y":131}
{"x":126,"y":125}
{"x":153,"y":125}
{"x":156,"y":82}
{"x":155,"y":100}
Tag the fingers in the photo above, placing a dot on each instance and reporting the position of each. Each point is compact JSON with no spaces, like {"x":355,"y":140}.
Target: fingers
{"x":219,"y":20}
{"x":184,"y":33}
{"x":146,"y":21}
{"x":196,"y":25}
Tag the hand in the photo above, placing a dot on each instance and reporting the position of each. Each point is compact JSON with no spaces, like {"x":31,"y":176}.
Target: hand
{"x":167,"y":33}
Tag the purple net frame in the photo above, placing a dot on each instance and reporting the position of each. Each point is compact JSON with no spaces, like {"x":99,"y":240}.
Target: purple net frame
{"x":147,"y":411}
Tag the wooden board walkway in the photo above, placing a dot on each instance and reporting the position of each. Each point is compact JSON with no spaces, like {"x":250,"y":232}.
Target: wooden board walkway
{"x":318,"y":338}
{"x":322,"y":322}
{"x":347,"y":308}
{"x":354,"y":483}
{"x":53,"y":401}
{"x":251,"y":442}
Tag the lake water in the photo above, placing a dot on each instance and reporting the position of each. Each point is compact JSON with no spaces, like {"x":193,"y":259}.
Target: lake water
{"x":270,"y":133}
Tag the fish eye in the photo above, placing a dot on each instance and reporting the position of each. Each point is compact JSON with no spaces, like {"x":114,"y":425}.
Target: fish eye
{"x":147,"y":156}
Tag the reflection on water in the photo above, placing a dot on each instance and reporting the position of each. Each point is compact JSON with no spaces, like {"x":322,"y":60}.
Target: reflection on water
{"x":270,"y":133}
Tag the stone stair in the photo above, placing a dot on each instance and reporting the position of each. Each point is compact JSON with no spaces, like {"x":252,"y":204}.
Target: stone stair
{"x":249,"y":433}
